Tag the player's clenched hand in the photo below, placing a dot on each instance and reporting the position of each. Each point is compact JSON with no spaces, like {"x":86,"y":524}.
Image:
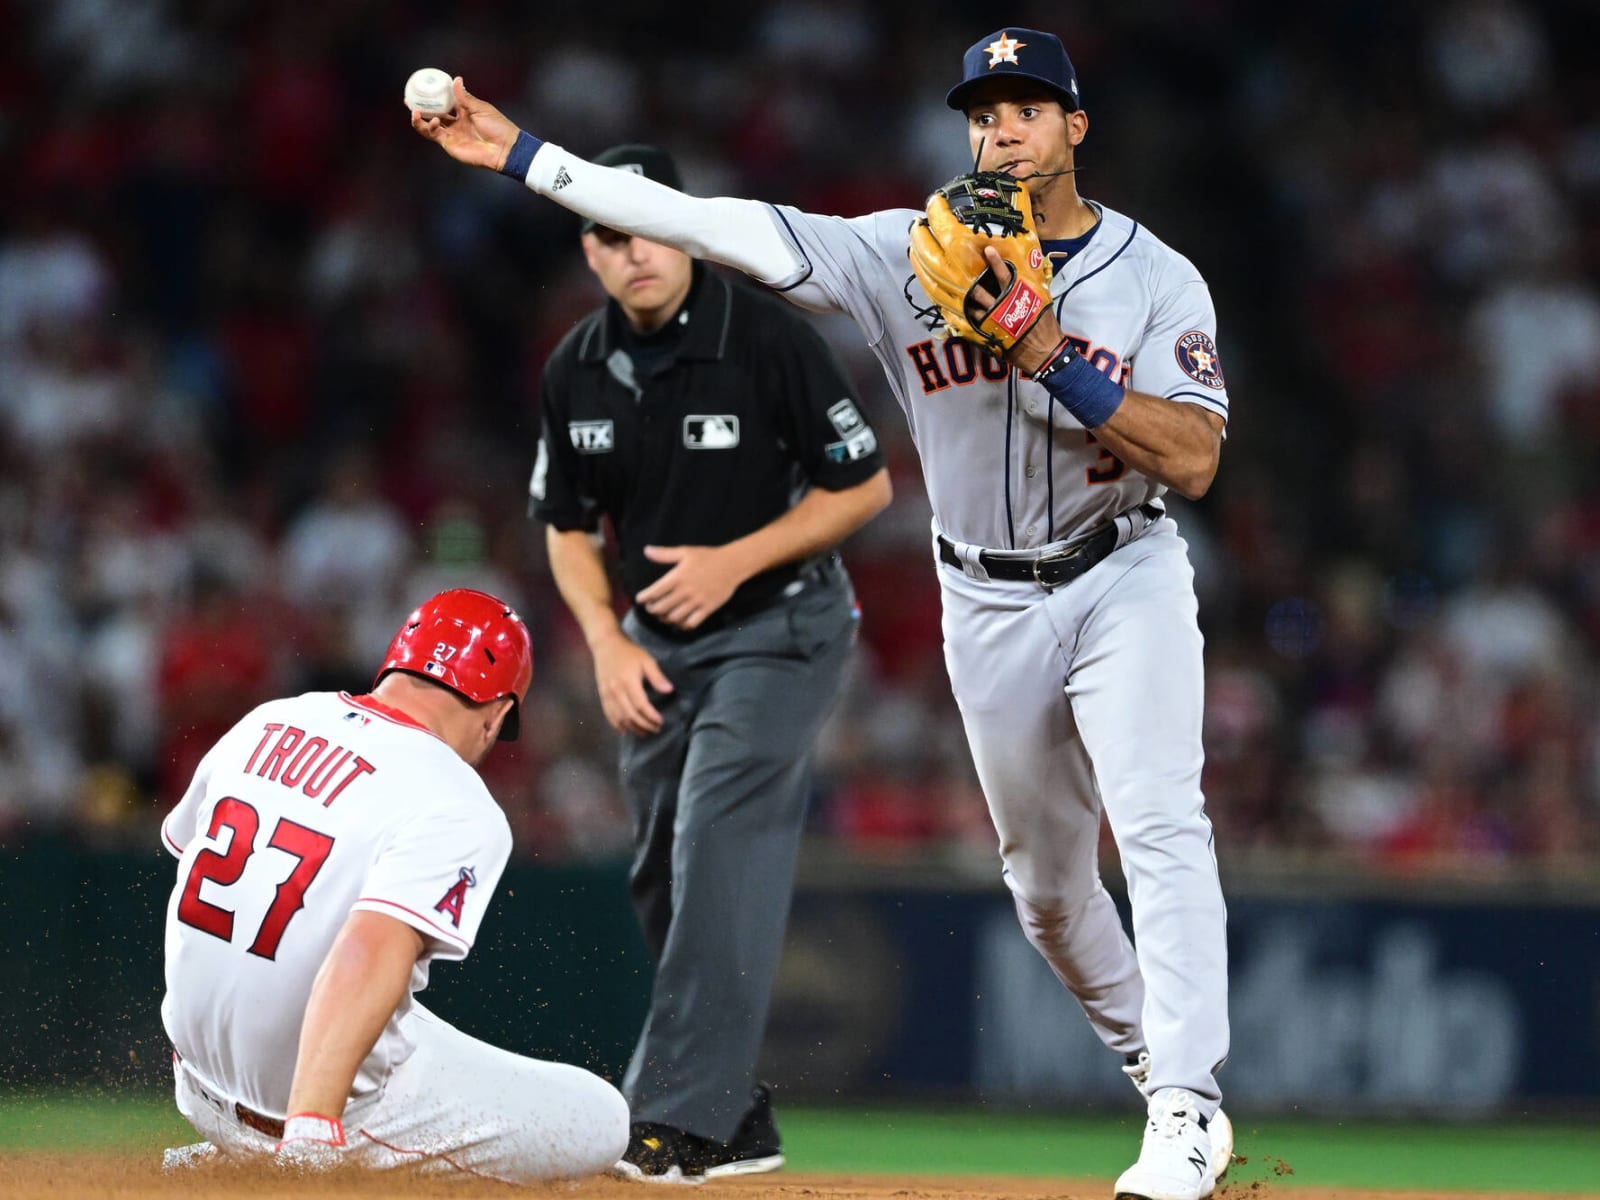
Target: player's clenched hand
{"x":310,"y":1143}
{"x":622,"y":670}
{"x":700,"y":582}
{"x":1030,"y":350}
{"x":476,"y":132}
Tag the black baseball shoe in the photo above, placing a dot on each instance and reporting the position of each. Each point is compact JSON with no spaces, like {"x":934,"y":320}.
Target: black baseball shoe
{"x":656,"y":1154}
{"x":660,"y":1153}
{"x":755,"y":1147}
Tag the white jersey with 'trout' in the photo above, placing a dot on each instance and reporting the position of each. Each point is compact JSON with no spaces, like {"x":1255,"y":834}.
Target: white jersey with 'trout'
{"x":308,"y":808}
{"x":1005,"y":468}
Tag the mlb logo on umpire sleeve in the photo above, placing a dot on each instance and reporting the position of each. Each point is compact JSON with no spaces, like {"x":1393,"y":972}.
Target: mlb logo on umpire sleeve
{"x":592,"y":437}
{"x":701,"y":432}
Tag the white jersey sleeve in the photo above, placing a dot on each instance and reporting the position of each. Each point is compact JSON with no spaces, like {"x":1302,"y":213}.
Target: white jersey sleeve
{"x":178,"y":829}
{"x":181,"y":825}
{"x":737,"y":233}
{"x":1178,"y":357}
{"x":851,"y":265}
{"x":437,"y":873}
{"x":854,"y":265}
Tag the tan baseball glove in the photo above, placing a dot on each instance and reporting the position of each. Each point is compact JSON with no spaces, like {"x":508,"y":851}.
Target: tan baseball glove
{"x":986,"y":208}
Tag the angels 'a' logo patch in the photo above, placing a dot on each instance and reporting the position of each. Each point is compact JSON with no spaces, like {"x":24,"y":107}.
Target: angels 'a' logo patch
{"x":450,"y":903}
{"x":1197,"y":355}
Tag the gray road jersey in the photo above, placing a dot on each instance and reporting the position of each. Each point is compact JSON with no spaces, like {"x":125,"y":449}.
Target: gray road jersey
{"x":1006,"y":468}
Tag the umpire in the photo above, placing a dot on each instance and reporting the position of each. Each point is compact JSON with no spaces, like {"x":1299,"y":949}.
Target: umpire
{"x":717,"y":431}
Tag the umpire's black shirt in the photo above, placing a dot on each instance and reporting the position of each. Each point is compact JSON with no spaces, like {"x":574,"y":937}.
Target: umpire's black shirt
{"x":698,"y":433}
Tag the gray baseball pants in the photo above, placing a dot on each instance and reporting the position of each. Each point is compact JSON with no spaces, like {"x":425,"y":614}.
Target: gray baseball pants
{"x":719,"y":801}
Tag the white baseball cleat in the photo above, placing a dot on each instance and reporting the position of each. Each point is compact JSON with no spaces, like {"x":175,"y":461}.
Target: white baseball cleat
{"x":1221,"y":1131}
{"x":1137,"y":1068}
{"x":1175,"y":1161}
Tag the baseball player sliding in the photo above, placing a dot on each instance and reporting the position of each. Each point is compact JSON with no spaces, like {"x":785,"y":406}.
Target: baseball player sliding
{"x":329,"y":849}
{"x":1058,"y":367}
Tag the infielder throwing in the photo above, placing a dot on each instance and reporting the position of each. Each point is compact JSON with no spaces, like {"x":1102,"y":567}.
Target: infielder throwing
{"x":1070,"y":627}
{"x":329,"y":849}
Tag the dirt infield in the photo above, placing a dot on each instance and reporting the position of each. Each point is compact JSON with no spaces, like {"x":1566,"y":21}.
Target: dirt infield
{"x":123,"y":1177}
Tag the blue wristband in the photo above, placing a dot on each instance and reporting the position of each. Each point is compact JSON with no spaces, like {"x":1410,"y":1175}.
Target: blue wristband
{"x":521,"y":156}
{"x":1089,"y":395}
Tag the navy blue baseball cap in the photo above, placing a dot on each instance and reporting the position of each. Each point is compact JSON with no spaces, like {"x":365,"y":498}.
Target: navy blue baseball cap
{"x":1025,"y":53}
{"x":650,"y":161}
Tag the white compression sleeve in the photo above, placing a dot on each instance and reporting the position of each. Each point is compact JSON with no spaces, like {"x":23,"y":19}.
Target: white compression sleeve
{"x":739,"y":233}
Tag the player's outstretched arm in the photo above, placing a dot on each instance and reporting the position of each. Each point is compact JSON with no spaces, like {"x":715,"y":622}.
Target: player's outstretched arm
{"x":361,"y":983}
{"x":738,"y":233}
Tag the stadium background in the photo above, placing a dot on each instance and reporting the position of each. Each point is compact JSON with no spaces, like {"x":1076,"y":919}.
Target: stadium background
{"x":268,"y":368}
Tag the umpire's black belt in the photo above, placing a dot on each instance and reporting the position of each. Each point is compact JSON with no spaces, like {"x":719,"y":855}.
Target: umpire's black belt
{"x":1054,"y":568}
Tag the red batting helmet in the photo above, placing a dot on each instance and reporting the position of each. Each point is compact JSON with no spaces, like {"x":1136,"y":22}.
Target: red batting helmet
{"x":472,"y":644}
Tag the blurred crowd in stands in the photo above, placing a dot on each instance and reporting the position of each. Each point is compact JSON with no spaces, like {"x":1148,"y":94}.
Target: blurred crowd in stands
{"x":269,"y":368}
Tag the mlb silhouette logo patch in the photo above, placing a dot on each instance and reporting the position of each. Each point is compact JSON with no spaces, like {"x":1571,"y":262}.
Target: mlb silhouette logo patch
{"x":703,"y":432}
{"x":592,"y":437}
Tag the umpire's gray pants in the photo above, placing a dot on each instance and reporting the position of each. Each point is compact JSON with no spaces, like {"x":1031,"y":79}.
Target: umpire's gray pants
{"x":719,"y":803}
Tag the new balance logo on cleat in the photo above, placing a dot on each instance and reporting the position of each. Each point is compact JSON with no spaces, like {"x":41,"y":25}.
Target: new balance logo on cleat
{"x":1175,"y":1159}
{"x":562,"y":179}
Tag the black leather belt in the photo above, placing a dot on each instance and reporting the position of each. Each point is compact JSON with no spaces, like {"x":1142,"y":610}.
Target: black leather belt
{"x":260,"y":1122}
{"x":1053,"y":569}
{"x":270,"y":1126}
{"x":742,"y":608}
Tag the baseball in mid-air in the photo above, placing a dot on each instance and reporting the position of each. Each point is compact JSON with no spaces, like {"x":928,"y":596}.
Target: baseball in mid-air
{"x":430,"y":92}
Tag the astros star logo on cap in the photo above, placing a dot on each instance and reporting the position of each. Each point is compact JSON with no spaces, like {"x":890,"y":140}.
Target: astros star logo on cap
{"x":1004,"y":50}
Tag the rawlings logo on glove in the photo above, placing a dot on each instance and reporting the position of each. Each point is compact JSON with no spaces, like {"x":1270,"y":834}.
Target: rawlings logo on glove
{"x":971,"y":212}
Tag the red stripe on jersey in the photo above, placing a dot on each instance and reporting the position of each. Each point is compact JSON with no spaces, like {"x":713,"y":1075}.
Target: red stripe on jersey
{"x":402,"y":1150}
{"x":443,"y":932}
{"x":171,"y":845}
